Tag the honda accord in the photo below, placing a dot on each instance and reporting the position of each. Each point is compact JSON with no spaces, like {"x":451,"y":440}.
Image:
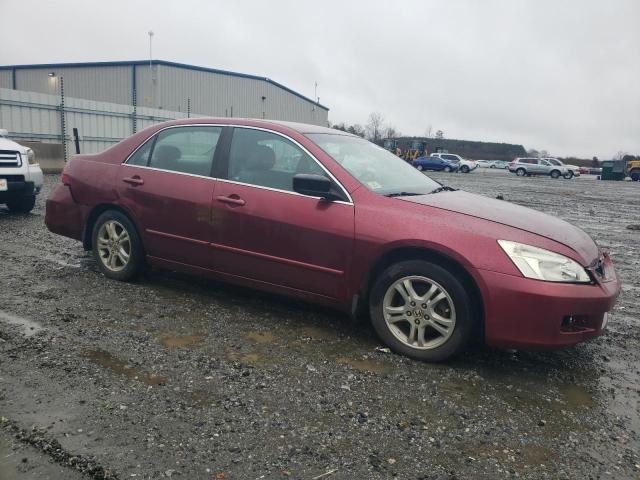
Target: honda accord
{"x":329,"y":217}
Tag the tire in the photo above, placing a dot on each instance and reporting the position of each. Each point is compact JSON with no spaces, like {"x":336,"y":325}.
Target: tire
{"x":419,"y":167}
{"x":464,"y":169}
{"x":521,"y":172}
{"x":413,"y":335}
{"x":492,"y":166}
{"x":447,"y":169}
{"x":22,"y":204}
{"x":110,"y":259}
{"x":554,"y":174}
{"x":635,"y":175}
{"x":568,"y":175}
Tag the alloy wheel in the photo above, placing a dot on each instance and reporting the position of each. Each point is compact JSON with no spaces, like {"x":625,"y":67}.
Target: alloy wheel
{"x":419,"y":312}
{"x":114,"y":245}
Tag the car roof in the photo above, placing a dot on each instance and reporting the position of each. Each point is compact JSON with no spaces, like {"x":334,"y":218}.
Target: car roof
{"x":255,"y":122}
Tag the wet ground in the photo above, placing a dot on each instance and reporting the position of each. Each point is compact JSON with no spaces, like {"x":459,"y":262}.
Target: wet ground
{"x":179,"y":377}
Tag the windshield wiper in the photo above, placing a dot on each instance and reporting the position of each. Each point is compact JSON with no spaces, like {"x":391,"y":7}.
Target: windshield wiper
{"x":402,"y":194}
{"x":443,"y":188}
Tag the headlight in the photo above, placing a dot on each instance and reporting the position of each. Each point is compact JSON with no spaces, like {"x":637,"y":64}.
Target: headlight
{"x":541,"y":264}
{"x":31,"y":155}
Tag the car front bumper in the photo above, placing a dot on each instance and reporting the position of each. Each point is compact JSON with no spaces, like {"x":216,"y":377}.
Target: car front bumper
{"x":16,"y":188}
{"x":532,"y":314}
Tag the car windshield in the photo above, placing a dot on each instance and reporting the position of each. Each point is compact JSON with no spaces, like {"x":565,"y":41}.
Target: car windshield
{"x":373,"y":166}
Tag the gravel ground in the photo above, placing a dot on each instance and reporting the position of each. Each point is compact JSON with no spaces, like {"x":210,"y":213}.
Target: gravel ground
{"x":180,"y":377}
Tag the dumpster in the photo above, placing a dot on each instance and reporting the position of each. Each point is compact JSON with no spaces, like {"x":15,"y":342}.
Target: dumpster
{"x":613,"y":170}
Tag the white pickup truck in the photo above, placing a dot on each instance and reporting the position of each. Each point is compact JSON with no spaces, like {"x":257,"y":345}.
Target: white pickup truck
{"x":20,"y":175}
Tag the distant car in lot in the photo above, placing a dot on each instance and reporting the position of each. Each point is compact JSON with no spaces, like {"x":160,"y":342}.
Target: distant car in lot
{"x":538,"y":166}
{"x":464,"y":165}
{"x":498,"y":164}
{"x":20,"y":175}
{"x":484,"y":163}
{"x":331,"y":218}
{"x":584,"y":170}
{"x":572,"y":170}
{"x":435,"y":164}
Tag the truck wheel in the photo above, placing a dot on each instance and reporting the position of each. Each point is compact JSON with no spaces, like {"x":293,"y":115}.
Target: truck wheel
{"x":635,"y":175}
{"x":521,"y":172}
{"x":117,"y":248}
{"x":22,"y":204}
{"x":421,"y":310}
{"x":555,"y":174}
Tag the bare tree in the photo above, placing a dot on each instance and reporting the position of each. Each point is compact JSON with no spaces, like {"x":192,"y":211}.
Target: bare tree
{"x":374,"y":126}
{"x":357,"y":129}
{"x":429,"y":132}
{"x":620,"y":155}
{"x":391,"y":132}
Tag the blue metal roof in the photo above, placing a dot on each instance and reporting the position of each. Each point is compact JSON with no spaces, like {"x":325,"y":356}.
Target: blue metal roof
{"x":160,"y":62}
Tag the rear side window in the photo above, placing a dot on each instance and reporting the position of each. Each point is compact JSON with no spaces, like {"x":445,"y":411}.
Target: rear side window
{"x":180,"y":149}
{"x":267,"y":159}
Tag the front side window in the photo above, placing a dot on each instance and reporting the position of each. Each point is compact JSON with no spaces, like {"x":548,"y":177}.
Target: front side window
{"x":374,"y":167}
{"x":268,"y":160}
{"x":185,"y":150}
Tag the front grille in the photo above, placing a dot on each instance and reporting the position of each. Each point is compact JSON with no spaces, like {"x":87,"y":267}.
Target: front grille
{"x":10,"y":158}
{"x":12,"y":178}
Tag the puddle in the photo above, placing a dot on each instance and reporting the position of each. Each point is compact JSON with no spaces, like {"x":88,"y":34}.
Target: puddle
{"x":317,"y":333}
{"x":260,"y":337}
{"x":29,"y":327}
{"x":365,"y":365}
{"x":106,"y":360}
{"x":576,"y":397}
{"x":180,"y":341}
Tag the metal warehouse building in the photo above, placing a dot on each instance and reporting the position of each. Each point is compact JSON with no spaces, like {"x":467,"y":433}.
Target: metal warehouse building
{"x":169,"y":86}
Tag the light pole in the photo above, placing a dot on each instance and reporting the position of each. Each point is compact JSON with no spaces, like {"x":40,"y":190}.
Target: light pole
{"x":151,"y":66}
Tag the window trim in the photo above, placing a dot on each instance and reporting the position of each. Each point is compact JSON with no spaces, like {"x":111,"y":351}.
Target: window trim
{"x":226,"y":158}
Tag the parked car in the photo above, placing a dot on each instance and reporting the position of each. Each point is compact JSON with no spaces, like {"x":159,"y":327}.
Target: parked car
{"x":329,"y":217}
{"x":464,"y":165}
{"x":584,"y":170}
{"x":435,"y":164}
{"x":20,"y":175}
{"x":484,"y":163}
{"x":572,"y":170}
{"x":538,"y":166}
{"x":498,"y":164}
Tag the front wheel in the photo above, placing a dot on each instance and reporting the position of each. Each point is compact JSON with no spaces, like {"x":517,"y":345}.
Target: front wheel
{"x":419,"y":167}
{"x":568,"y":175}
{"x":447,"y":169}
{"x":421,"y":310}
{"x":635,"y":175}
{"x":521,"y":172}
{"x":22,"y":204}
{"x":464,"y":169}
{"x":116,"y":246}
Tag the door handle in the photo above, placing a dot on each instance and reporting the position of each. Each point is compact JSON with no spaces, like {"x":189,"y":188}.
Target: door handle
{"x":231,"y":200}
{"x":135,"y":180}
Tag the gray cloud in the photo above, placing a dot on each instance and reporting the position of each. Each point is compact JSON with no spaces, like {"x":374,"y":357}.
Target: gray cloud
{"x":562,"y":76}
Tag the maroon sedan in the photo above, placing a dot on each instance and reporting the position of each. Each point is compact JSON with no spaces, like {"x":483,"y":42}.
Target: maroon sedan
{"x":329,"y":217}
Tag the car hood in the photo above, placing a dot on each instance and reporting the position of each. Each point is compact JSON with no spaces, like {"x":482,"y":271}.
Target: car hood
{"x":516,"y":216}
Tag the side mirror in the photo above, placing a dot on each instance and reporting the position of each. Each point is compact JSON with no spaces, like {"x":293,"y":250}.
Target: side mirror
{"x":313,"y":185}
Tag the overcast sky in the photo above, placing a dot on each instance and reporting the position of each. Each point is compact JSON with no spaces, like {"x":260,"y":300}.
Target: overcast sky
{"x":557,"y":75}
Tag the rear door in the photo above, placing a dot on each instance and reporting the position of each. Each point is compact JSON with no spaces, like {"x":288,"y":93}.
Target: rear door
{"x":167,"y":184}
{"x":265,"y":231}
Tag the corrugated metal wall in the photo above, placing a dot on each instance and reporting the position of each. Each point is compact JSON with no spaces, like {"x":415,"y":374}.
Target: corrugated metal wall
{"x":35,"y":116}
{"x":6,"y":79}
{"x":170,"y":88}
{"x":103,"y":84}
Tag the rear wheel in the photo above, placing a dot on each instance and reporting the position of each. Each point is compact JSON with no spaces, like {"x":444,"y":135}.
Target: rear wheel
{"x":447,"y":169}
{"x":421,"y":310}
{"x":521,"y":172}
{"x":22,"y":204}
{"x":464,"y":169}
{"x":419,"y":167}
{"x":116,"y":246}
{"x":555,"y":174}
